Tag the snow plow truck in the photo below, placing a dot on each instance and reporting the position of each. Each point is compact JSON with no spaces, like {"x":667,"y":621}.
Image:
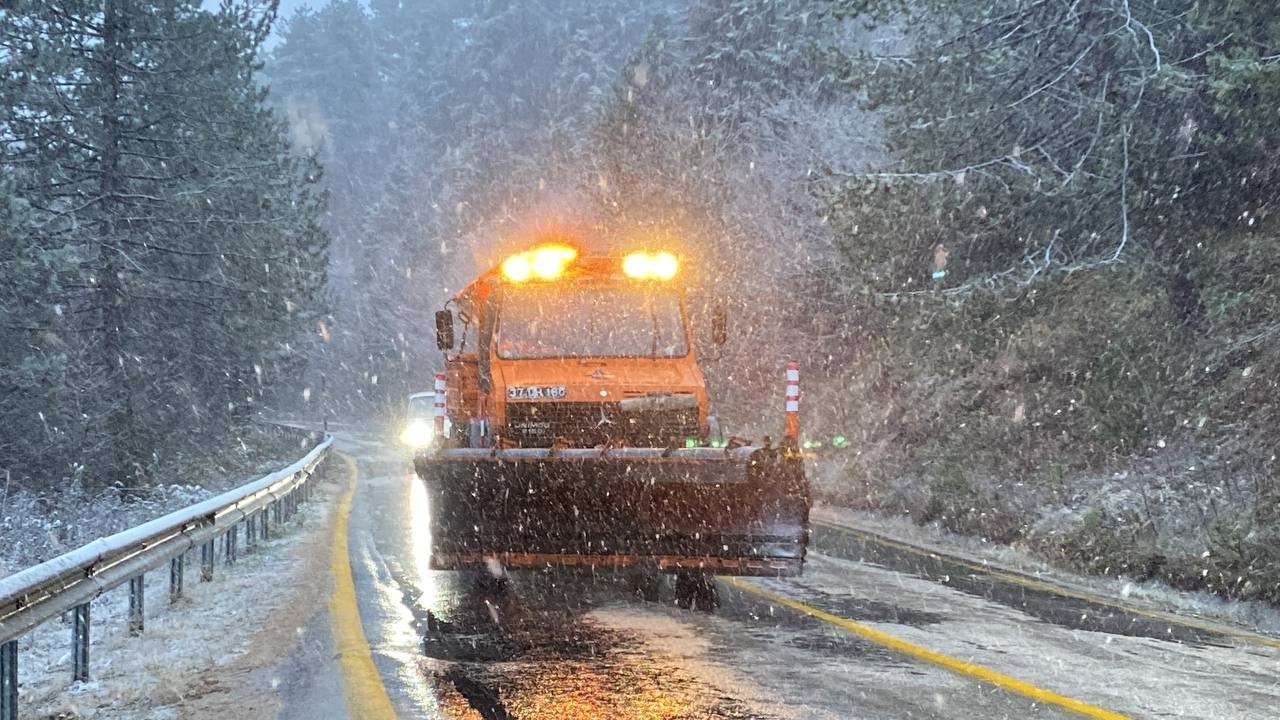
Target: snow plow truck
{"x":581,"y":435}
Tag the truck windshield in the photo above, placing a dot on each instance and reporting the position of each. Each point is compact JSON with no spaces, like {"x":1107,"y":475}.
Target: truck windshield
{"x":581,"y":320}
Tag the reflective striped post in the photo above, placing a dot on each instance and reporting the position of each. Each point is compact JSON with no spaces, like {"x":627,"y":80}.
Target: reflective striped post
{"x":439,"y":405}
{"x":793,"y":402}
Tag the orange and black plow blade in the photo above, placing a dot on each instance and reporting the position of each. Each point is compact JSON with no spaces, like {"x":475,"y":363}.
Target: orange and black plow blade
{"x":743,"y":511}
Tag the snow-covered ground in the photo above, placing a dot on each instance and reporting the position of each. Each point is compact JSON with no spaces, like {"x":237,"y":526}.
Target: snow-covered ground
{"x":187,"y":647}
{"x":40,"y":524}
{"x":1254,"y":615}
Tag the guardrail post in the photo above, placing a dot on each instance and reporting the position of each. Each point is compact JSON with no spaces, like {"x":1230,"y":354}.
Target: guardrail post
{"x":175,"y":577}
{"x":80,"y":643}
{"x":206,"y":562}
{"x":137,"y":601}
{"x":143,"y":554}
{"x":229,"y":546}
{"x":250,"y":533}
{"x":9,"y":680}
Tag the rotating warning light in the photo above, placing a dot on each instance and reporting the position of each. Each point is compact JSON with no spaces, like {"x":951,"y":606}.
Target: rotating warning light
{"x":517,"y":268}
{"x":547,"y":262}
{"x":550,"y":261}
{"x":664,"y":265}
{"x":636,"y":265}
{"x":646,"y":266}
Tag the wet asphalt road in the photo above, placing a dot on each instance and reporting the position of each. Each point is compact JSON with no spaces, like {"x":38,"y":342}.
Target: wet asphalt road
{"x":578,"y":645}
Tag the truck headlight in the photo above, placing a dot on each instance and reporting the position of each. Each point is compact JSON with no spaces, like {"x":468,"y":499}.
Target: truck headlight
{"x":417,"y":434}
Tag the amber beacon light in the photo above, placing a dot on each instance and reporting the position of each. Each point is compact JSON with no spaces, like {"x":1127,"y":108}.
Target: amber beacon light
{"x":547,"y":262}
{"x":650,"y":266}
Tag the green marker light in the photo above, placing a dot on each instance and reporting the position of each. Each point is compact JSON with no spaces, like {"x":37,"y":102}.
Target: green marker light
{"x":839,"y":441}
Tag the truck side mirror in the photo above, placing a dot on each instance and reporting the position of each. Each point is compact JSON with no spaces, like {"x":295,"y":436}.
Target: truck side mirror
{"x":444,"y":329}
{"x":719,"y":326}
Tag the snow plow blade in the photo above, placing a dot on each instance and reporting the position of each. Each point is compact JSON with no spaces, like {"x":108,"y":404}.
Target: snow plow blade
{"x":741,"y":511}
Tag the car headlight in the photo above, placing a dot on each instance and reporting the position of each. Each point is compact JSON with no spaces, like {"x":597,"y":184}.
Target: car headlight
{"x":417,"y":434}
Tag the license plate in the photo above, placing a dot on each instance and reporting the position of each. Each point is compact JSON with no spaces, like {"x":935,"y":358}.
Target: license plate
{"x":535,"y":392}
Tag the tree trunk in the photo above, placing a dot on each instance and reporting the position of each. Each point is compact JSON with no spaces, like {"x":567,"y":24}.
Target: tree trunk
{"x":120,"y":453}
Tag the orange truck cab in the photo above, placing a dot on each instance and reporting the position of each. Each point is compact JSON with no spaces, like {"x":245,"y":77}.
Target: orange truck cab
{"x":581,"y":433}
{"x":595,"y":351}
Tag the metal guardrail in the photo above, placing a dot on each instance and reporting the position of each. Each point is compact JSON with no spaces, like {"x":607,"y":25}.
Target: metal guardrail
{"x":69,"y":582}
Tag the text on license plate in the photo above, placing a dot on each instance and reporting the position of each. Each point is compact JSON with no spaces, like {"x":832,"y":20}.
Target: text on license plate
{"x":535,"y":392}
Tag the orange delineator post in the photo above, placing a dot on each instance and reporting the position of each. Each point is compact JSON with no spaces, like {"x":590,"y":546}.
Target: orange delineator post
{"x":793,"y":401}
{"x":439,"y":405}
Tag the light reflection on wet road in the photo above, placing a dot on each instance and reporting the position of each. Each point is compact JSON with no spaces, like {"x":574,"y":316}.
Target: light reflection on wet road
{"x":578,"y":645}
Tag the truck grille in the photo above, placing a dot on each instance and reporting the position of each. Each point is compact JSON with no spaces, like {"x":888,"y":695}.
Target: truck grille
{"x":592,"y":424}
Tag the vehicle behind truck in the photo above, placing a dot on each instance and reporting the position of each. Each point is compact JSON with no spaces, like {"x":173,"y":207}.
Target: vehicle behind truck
{"x":582,"y":433}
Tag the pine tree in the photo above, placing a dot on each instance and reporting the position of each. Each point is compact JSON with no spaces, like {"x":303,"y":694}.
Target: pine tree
{"x":33,"y":359}
{"x":748,"y":54}
{"x":1038,"y":135}
{"x":144,"y":147}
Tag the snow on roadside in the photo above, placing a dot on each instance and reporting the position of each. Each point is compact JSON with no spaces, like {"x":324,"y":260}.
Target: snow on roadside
{"x":146,"y":677}
{"x":1255,"y":615}
{"x":40,"y":524}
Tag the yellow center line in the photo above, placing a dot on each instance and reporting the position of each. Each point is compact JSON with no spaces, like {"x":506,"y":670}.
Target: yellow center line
{"x":366,"y":696}
{"x":1061,"y":591}
{"x":955,"y":665}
